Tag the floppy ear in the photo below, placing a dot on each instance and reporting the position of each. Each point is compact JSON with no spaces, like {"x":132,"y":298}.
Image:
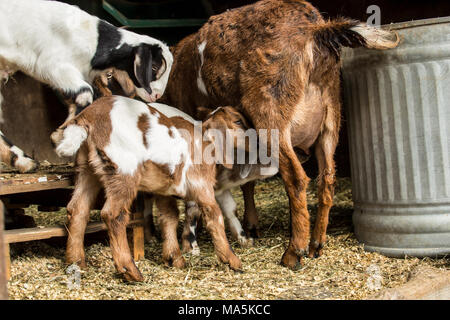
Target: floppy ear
{"x":143,"y":65}
{"x":121,"y":79}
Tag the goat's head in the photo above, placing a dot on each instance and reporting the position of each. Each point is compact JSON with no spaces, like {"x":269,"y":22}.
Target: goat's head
{"x":226,"y":127}
{"x":152,"y":65}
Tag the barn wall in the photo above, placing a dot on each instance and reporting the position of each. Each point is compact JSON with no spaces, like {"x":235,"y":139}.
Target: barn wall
{"x":32,"y":112}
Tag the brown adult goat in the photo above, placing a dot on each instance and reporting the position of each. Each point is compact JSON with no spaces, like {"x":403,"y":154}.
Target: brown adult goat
{"x":278,"y":61}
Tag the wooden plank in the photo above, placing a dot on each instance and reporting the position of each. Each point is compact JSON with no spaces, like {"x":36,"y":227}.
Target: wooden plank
{"x":20,"y":188}
{"x":3,"y":275}
{"x":31,"y":234}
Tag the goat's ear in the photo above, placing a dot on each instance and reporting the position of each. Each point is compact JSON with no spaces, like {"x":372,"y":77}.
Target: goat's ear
{"x":202,"y":113}
{"x":143,"y":65}
{"x":125,"y":83}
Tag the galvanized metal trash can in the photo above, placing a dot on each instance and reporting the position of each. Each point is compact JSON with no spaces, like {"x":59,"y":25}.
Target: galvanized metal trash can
{"x":398,"y":108}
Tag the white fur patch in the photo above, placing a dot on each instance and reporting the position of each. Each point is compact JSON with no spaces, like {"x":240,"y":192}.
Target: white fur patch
{"x":73,"y":137}
{"x":22,"y":162}
{"x":84,"y":99}
{"x":228,"y":206}
{"x":127,"y":148}
{"x":200,"y":83}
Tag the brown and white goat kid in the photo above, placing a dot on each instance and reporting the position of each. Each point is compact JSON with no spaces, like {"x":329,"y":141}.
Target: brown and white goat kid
{"x":278,"y":62}
{"x":117,"y":82}
{"x":126,"y":146}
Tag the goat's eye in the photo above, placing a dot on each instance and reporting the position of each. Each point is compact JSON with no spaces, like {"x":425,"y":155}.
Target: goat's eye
{"x":154,"y":68}
{"x":109,"y":76}
{"x":239,"y":122}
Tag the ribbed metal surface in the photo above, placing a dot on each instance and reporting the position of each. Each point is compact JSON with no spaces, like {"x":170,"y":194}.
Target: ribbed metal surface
{"x":398,"y":107}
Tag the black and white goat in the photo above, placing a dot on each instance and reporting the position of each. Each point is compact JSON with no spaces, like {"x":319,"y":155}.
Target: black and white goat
{"x":65,"y":47}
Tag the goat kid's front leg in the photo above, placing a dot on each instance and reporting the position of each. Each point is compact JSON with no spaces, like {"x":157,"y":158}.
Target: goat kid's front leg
{"x":213,"y":218}
{"x":228,"y":206}
{"x":85,"y":194}
{"x":190,"y":229}
{"x":57,"y":135}
{"x":78,"y":92}
{"x":295,"y":182}
{"x":9,"y":153}
{"x":15,"y":157}
{"x":116,"y":216}
{"x":168,"y":221}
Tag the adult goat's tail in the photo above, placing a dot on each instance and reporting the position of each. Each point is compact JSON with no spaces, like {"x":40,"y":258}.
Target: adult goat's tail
{"x":73,"y":136}
{"x":343,"y":32}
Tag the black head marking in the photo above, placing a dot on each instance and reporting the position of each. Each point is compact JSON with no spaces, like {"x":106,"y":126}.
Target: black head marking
{"x":109,"y":54}
{"x":148,"y":61}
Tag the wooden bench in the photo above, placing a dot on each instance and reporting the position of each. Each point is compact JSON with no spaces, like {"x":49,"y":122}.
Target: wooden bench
{"x":19,"y":187}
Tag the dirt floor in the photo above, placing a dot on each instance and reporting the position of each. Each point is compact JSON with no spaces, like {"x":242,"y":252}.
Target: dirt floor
{"x":345,"y":271}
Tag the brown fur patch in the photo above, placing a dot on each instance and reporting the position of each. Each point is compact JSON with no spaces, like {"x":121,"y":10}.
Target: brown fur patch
{"x":144,"y":125}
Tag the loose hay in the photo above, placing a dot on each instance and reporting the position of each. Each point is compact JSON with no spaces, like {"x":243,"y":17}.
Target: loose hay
{"x":345,"y":271}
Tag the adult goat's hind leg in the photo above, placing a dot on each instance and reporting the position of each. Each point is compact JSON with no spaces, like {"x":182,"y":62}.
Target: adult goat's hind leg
{"x":325,"y":148}
{"x":295,"y":182}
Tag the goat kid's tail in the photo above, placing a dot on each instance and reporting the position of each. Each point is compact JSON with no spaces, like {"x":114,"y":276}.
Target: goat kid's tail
{"x":352,"y":33}
{"x":73,"y":137}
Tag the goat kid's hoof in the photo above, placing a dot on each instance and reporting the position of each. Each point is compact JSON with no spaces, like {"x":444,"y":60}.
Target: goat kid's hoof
{"x":245,"y":242}
{"x":252,"y":232}
{"x":235,"y":264}
{"x":292,"y":261}
{"x":83,"y":99}
{"x":177,"y":262}
{"x":25,"y":164}
{"x":133,"y":275}
{"x":315,"y":249}
{"x":130,"y":272}
{"x":191,"y":249}
{"x":81,"y":262}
